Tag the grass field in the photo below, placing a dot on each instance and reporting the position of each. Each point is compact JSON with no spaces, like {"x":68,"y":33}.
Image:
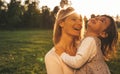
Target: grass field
{"x":22,"y":52}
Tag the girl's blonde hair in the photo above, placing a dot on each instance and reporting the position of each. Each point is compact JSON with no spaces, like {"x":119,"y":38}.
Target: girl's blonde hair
{"x":61,"y":16}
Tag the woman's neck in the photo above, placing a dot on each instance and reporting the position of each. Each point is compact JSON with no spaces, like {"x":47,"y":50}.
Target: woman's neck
{"x":67,"y":43}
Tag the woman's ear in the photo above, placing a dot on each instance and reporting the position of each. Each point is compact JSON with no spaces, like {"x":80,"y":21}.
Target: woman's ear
{"x":61,"y":24}
{"x":103,"y":34}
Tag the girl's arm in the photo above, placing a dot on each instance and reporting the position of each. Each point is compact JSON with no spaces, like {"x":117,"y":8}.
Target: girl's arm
{"x":86,"y":50}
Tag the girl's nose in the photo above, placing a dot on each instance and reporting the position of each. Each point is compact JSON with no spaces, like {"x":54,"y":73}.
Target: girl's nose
{"x":96,"y":18}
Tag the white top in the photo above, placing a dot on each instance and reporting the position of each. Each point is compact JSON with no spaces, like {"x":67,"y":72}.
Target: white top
{"x":89,"y":60}
{"x":55,"y":65}
{"x":86,"y":51}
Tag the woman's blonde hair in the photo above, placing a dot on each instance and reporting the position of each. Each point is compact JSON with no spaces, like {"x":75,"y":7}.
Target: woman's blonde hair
{"x":61,"y":16}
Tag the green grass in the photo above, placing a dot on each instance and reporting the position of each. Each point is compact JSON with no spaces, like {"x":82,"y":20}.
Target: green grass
{"x":22,"y":52}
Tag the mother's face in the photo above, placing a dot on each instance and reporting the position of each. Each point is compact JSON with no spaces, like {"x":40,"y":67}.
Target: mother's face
{"x":72,"y":25}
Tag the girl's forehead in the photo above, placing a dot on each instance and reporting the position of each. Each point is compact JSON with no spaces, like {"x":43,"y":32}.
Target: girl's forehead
{"x":104,"y":17}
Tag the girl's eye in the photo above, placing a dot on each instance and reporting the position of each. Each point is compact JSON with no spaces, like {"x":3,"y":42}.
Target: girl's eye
{"x":102,"y":20}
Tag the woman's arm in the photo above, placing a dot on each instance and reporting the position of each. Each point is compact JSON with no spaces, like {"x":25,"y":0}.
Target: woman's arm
{"x":84,"y":53}
{"x":52,"y":65}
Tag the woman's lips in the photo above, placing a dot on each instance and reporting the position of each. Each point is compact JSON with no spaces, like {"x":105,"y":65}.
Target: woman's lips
{"x":78,"y":29}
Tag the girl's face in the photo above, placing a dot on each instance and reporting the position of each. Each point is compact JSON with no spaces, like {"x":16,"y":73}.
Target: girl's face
{"x":98,"y":24}
{"x":72,"y":25}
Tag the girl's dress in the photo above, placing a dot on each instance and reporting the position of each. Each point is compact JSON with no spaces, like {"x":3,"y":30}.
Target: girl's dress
{"x":89,"y":58}
{"x":97,"y":64}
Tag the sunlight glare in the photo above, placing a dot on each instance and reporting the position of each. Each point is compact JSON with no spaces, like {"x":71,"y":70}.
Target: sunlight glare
{"x":87,"y":7}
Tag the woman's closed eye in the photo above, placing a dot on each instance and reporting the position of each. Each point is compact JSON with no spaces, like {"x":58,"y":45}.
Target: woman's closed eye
{"x":74,"y":19}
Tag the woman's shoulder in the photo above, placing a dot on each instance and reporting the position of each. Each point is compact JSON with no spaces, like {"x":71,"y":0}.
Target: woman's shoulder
{"x":51,"y":54}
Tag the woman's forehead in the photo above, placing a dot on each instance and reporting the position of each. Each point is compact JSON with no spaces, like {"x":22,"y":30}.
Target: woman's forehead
{"x":74,"y":15}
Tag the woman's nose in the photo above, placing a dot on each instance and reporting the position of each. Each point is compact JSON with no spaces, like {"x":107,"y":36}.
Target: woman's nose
{"x":79,"y":22}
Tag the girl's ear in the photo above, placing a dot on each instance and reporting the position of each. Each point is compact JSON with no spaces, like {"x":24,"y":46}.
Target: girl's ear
{"x":103,"y":34}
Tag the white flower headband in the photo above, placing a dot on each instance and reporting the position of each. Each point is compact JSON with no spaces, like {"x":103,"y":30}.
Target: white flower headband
{"x":65,"y":15}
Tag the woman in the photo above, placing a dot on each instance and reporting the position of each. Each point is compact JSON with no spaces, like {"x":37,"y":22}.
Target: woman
{"x":66,"y":32}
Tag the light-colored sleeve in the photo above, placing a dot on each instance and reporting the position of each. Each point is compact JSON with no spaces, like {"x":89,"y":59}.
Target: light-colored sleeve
{"x":52,"y":65}
{"x":84,"y":53}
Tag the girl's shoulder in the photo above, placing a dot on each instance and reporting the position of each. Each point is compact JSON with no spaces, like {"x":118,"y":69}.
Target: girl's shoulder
{"x":92,"y":38}
{"x":88,"y":38}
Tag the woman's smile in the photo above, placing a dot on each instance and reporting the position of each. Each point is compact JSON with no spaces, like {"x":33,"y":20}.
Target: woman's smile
{"x":76,"y":28}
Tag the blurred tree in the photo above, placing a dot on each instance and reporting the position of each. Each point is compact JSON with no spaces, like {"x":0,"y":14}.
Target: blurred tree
{"x":14,"y":14}
{"x":2,"y":14}
{"x":1,"y":11}
{"x":93,"y":15}
{"x":3,"y":18}
{"x":46,"y":17}
{"x":117,"y":21}
{"x":32,"y":15}
{"x":1,"y":4}
{"x":53,"y":15}
{"x":65,"y":3}
{"x":85,"y":21}
{"x":117,"y":18}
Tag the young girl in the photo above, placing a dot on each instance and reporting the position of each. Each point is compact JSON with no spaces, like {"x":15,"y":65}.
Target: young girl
{"x":98,"y":45}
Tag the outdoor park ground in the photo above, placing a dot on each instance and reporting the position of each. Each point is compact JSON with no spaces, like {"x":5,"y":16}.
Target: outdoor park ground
{"x":23,"y":51}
